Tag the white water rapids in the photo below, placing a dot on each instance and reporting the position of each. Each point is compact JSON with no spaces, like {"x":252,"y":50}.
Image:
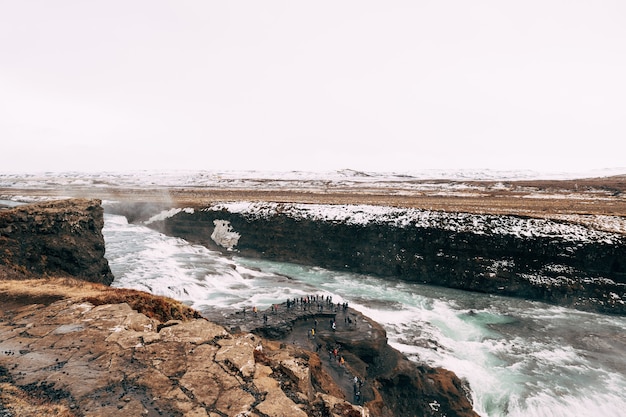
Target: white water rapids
{"x":521,"y":358}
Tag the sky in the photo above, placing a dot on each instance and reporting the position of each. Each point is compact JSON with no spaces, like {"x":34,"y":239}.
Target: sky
{"x":386,"y":86}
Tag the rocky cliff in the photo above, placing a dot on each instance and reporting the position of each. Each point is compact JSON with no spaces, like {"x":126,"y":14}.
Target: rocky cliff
{"x":388,"y":385}
{"x":73,"y":348}
{"x":94,"y":351}
{"x":558,"y":262}
{"x":89,"y":357}
{"x":56,"y":239}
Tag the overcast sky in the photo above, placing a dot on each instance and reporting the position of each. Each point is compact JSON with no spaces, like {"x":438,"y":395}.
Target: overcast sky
{"x":316,"y":85}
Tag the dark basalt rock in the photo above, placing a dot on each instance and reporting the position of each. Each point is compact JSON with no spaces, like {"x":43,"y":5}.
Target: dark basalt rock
{"x":406,"y":388}
{"x":55,"y":239}
{"x":585,"y":273}
{"x":393,"y":385}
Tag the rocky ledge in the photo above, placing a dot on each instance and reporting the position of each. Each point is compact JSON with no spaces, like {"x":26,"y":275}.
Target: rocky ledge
{"x":108,"y":360}
{"x":57,"y":238}
{"x":353,"y":350}
{"x":90,"y":356}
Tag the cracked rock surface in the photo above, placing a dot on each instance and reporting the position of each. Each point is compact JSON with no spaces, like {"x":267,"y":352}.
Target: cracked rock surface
{"x":110,"y":360}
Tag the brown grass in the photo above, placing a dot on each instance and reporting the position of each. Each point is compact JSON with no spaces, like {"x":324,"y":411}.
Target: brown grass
{"x":15,"y":293}
{"x":156,"y":307}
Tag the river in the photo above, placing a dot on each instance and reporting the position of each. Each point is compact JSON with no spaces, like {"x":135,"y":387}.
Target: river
{"x":520,"y":358}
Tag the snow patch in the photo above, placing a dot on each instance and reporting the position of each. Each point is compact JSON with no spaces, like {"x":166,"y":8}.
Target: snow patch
{"x":224,"y":235}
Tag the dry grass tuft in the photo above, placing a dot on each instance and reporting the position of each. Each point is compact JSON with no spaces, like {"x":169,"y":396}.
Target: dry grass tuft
{"x":15,"y":293}
{"x":156,"y":307}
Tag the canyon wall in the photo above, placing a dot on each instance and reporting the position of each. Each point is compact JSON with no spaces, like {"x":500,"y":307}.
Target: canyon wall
{"x":55,"y":238}
{"x":536,"y":259}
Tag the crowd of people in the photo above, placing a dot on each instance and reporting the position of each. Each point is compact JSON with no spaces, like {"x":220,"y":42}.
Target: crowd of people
{"x":325,"y":307}
{"x":322,"y":304}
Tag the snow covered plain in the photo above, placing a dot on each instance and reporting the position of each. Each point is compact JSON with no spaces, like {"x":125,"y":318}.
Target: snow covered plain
{"x":417,"y":180}
{"x":598,"y":201}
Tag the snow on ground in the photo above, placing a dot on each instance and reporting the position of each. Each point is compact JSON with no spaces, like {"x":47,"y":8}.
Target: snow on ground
{"x":597,"y":195}
{"x":30,"y":199}
{"x":279,"y":179}
{"x":430,"y":182}
{"x":402,"y":217}
{"x":607,"y":223}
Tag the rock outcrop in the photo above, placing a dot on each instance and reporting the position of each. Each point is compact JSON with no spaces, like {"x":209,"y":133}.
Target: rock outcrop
{"x":110,"y":360}
{"x":557,"y":262}
{"x":59,"y":238}
{"x":389,"y":384}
